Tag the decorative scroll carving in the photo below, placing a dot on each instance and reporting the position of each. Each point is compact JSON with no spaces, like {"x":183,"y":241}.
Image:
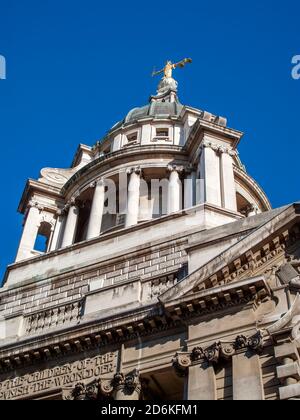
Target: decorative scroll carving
{"x":56,"y":176}
{"x":127,"y":383}
{"x":219,"y":149}
{"x":35,"y":204}
{"x":291,"y":318}
{"x":136,"y":169}
{"x":181,"y":362}
{"x":255,"y":343}
{"x":175,"y":168}
{"x":227,"y":350}
{"x":100,"y":182}
{"x":212,"y":354}
{"x":79,"y":392}
{"x":216,"y":352}
{"x":99,"y":389}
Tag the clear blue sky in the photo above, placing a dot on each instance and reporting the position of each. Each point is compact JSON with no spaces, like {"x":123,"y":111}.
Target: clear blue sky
{"x":76,"y":67}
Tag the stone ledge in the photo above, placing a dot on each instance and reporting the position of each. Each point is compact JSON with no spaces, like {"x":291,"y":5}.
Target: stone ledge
{"x":290,"y":370}
{"x":287,"y":350}
{"x":290,"y":391}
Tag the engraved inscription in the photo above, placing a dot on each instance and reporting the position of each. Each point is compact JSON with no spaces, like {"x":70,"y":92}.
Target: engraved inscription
{"x":59,"y":377}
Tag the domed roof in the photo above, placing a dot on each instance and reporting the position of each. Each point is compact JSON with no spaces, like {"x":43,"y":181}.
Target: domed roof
{"x":163,"y":105}
{"x":154,"y":109}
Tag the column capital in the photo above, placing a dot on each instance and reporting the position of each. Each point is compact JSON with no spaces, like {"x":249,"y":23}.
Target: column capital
{"x":175,"y":168}
{"x":217,"y":351}
{"x":97,"y":182}
{"x":72,"y":202}
{"x":189,"y":169}
{"x":83,"y":391}
{"x":120,"y":385}
{"x":127,"y":384}
{"x":134,"y":170}
{"x":218,"y":148}
{"x":60,"y":212}
{"x":35,"y":204}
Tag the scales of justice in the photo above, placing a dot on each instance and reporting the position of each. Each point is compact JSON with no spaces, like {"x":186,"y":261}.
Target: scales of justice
{"x":167,"y":82}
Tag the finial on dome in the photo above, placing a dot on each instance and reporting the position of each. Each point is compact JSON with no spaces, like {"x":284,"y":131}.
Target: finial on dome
{"x":167,"y":82}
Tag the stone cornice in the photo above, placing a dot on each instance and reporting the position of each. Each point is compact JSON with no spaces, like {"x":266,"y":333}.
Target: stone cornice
{"x":33,"y":186}
{"x":201,"y":126}
{"x":122,"y":232}
{"x":217,"y":298}
{"x":81,"y":147}
{"x":115,"y":159}
{"x":239,"y":259}
{"x":151,"y":320}
{"x":250,"y":182}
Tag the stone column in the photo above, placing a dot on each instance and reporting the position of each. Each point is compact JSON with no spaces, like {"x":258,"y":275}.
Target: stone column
{"x":201,"y":383}
{"x":127,"y":387}
{"x":227,"y":179}
{"x":174,"y":190}
{"x":210,"y":173}
{"x":95,"y":222}
{"x":56,"y":237}
{"x":133,"y":197}
{"x":30,"y":231}
{"x":190,"y":190}
{"x":71,"y":224}
{"x":247,"y":377}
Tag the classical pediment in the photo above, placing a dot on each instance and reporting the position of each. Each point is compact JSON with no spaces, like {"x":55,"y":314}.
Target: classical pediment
{"x":261,"y":252}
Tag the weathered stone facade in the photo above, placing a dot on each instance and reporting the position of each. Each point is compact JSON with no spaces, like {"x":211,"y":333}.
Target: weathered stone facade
{"x":200,"y":301}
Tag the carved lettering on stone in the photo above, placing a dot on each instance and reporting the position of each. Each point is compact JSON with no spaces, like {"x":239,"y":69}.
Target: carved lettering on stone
{"x":59,"y":377}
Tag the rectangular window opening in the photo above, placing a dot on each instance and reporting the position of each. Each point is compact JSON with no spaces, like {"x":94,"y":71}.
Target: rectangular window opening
{"x":162,"y":132}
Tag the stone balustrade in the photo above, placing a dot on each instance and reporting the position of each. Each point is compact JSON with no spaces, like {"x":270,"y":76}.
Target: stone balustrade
{"x":53,"y":317}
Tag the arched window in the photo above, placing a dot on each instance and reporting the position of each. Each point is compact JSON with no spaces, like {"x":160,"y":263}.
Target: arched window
{"x":43,"y":237}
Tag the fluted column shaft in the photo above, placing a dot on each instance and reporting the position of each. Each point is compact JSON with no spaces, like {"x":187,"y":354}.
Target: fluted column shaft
{"x":95,"y":222}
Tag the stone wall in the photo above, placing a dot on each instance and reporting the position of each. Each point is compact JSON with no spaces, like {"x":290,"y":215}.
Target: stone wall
{"x":73,"y":286}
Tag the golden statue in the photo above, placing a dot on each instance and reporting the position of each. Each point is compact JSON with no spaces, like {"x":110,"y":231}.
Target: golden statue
{"x":169,"y":67}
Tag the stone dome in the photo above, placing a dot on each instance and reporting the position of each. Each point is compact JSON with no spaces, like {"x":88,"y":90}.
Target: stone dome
{"x":154,"y":109}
